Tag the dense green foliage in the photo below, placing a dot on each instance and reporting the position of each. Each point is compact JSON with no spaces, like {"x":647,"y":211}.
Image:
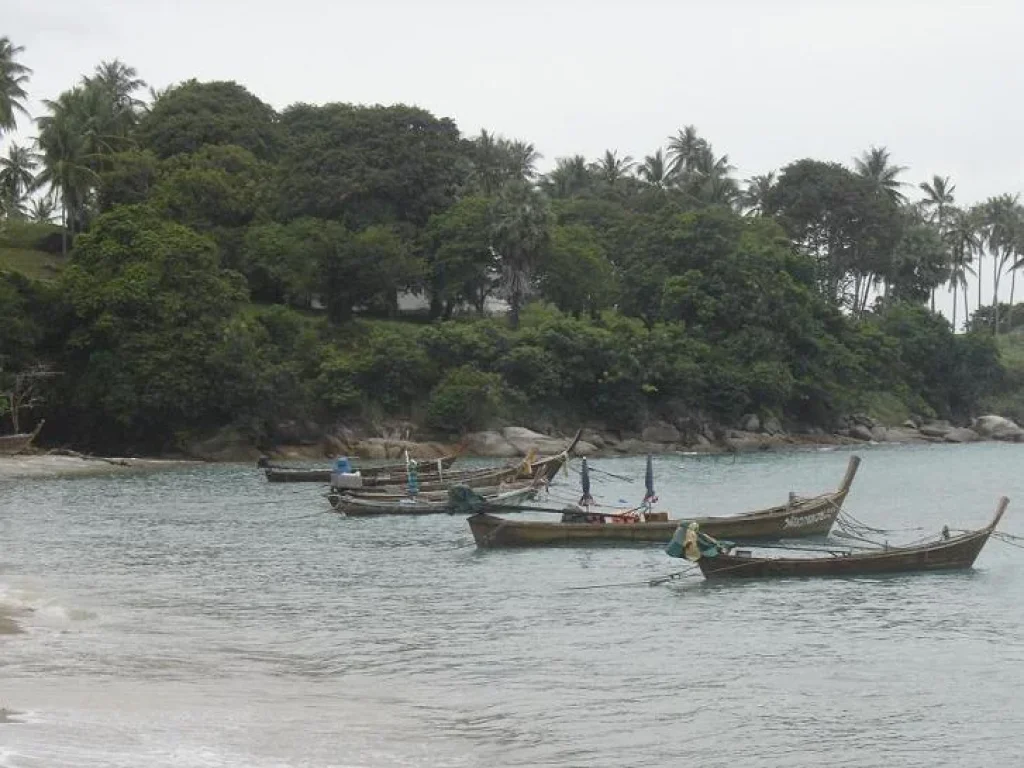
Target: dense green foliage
{"x":232,"y":266}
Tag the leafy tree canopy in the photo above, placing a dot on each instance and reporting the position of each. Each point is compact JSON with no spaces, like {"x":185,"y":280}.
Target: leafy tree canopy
{"x":196,"y":114}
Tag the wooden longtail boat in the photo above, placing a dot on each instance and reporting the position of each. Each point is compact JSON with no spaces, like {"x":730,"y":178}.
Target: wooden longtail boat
{"x":14,"y":444}
{"x":805,"y":517}
{"x":390,"y":473}
{"x":429,"y":470}
{"x":414,"y":505}
{"x":945,"y":553}
{"x":474,"y":479}
{"x":542,"y":469}
{"x":547,"y":468}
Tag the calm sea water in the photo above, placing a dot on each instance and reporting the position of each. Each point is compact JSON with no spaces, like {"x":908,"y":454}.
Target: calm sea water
{"x":202,"y":617}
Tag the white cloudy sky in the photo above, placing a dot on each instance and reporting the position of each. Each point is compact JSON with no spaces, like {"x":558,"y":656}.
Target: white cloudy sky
{"x":937,"y":82}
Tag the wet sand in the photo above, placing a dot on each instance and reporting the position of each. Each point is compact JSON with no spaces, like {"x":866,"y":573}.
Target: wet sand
{"x":62,"y":466}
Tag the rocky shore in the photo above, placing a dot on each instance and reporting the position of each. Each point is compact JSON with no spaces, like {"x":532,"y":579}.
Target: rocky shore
{"x":514,"y":442}
{"x":657,"y":437}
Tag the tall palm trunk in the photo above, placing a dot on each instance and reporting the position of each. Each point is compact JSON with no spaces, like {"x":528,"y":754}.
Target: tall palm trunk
{"x":967,"y":309}
{"x":996,"y":270}
{"x":63,"y":225}
{"x":1009,"y":311}
{"x":980,"y":272}
{"x":954,"y":306}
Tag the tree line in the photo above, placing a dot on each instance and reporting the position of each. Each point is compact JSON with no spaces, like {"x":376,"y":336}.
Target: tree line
{"x":224,"y":258}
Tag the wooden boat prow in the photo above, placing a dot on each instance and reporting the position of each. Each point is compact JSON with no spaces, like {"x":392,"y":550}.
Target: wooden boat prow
{"x":952,"y":553}
{"x":11,"y":445}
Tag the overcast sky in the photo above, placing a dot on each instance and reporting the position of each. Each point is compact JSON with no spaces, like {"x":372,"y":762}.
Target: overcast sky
{"x":767,"y":82}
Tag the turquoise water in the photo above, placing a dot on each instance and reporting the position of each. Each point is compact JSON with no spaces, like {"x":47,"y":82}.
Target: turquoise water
{"x":202,"y":617}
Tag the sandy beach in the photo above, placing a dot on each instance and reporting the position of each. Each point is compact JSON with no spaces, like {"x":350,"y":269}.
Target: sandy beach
{"x":12,"y":467}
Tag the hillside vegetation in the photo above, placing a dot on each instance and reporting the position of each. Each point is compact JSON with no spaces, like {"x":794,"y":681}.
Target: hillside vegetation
{"x":233,"y":266}
{"x":20,"y":250}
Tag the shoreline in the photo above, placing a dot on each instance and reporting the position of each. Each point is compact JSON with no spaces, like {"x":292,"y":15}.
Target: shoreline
{"x":42,"y":465}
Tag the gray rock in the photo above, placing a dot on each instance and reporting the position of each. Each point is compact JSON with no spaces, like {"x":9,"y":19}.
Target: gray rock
{"x":635,"y":447}
{"x":879,"y":434}
{"x":336,"y":446}
{"x":861,"y":432}
{"x":903,"y":435}
{"x":935,"y":429}
{"x":227,"y":444}
{"x":910,"y":424}
{"x":961,"y":435}
{"x":750,"y":423}
{"x":372,"y":448}
{"x":862,"y":419}
{"x":490,"y":444}
{"x":660,"y":432}
{"x":524,"y":440}
{"x":595,"y":438}
{"x":702,"y":443}
{"x":998,"y":428}
{"x":747,"y":441}
{"x":772,"y":426}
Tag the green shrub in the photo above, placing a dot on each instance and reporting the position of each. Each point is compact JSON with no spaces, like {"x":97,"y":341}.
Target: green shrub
{"x":464,"y":400}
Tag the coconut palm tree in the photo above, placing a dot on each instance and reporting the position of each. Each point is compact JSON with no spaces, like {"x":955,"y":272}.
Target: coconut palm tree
{"x":522,"y":159}
{"x":11,"y":207}
{"x":709,"y":178}
{"x":520,"y":231}
{"x":69,"y":139}
{"x":1002,"y":224}
{"x":16,"y":173}
{"x":683,"y":149}
{"x":13,"y":77}
{"x":42,"y":210}
{"x":874,"y":164}
{"x":119,"y":82}
{"x":654,"y":170}
{"x":1016,"y":251}
{"x":963,"y":238}
{"x":611,"y":169}
{"x":938,"y":199}
{"x":756,"y":192}
{"x":488,"y":172}
{"x":570,"y":176}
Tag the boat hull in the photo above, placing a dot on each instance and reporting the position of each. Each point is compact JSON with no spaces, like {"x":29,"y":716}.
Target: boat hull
{"x":814,"y":519}
{"x":355,"y":507}
{"x":803,"y":518}
{"x":428,"y":472}
{"x":956,"y":553}
{"x":385,"y":475}
{"x":959,"y":556}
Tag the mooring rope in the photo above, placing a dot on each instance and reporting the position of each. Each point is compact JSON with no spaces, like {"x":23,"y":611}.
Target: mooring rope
{"x":597,"y":471}
{"x":645,"y":583}
{"x":1008,"y":539}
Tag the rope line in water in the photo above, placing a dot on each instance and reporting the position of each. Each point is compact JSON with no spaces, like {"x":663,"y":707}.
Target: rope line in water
{"x":596,"y":471}
{"x":645,"y":583}
{"x":1008,"y":539}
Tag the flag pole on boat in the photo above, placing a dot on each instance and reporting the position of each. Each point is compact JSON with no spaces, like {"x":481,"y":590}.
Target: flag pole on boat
{"x":586,"y":500}
{"x":650,"y":497}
